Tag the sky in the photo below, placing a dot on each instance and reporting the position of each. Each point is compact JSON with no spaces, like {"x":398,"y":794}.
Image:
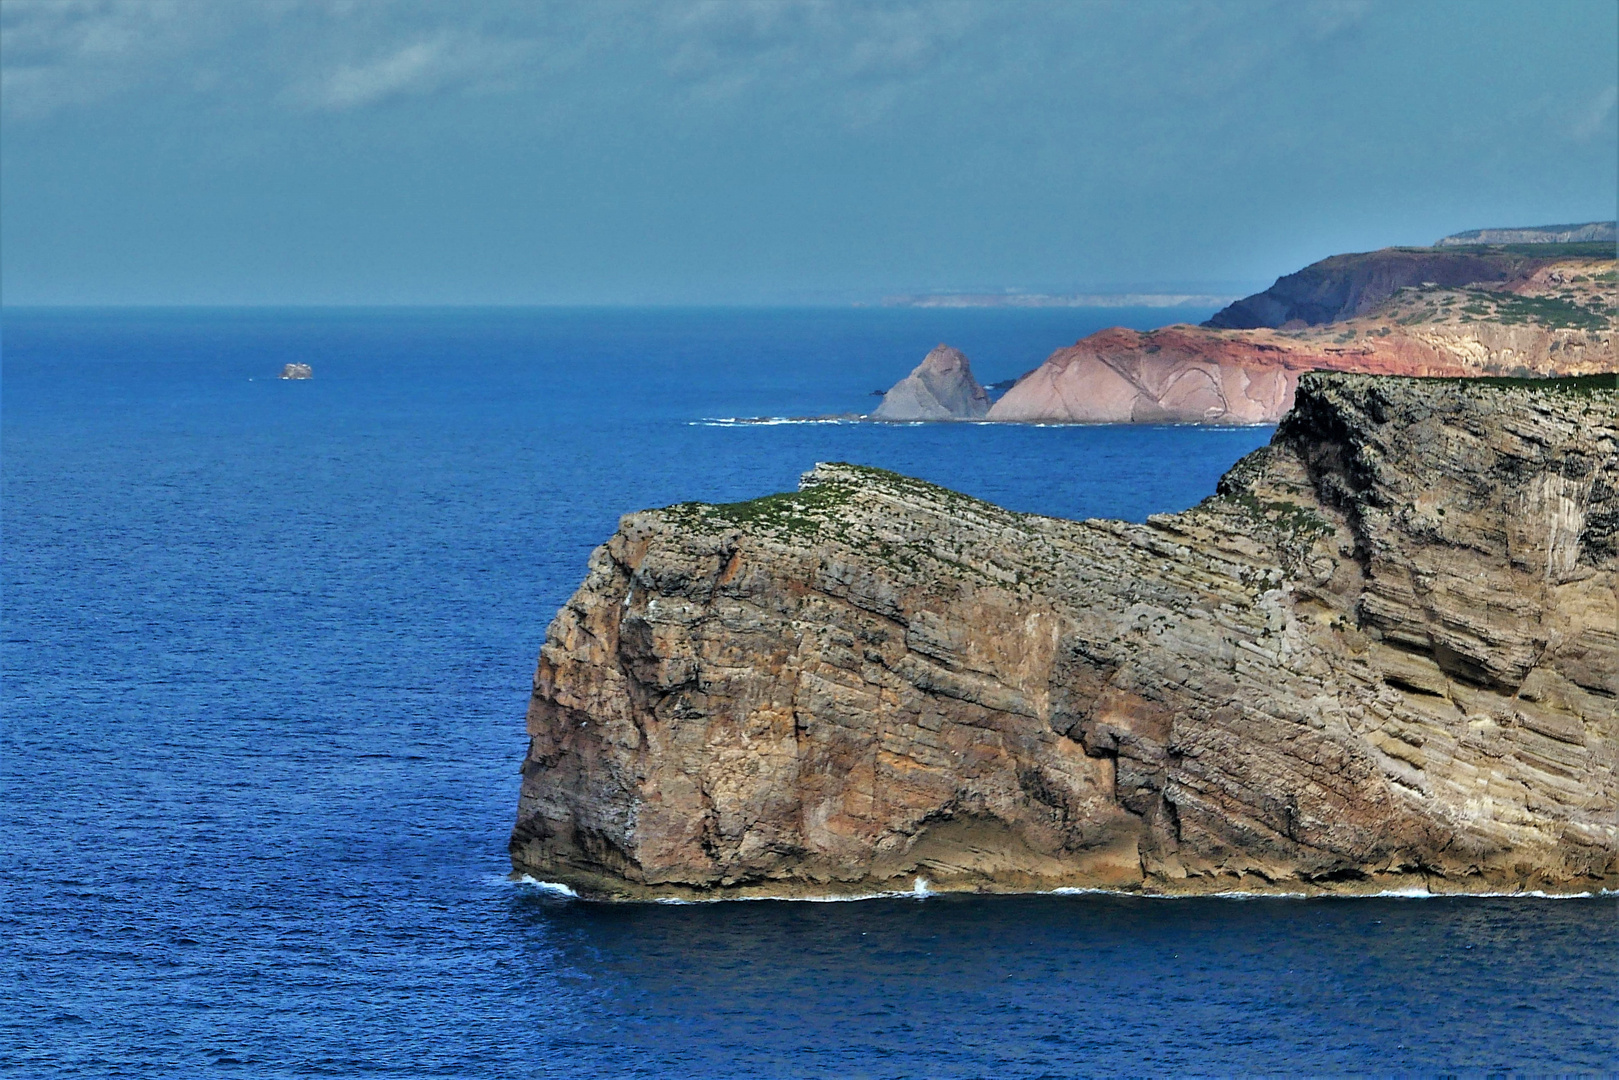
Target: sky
{"x":740,"y":152}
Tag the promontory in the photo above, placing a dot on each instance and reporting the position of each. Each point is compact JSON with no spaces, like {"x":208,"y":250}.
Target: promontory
{"x":1384,"y":654}
{"x":1462,"y":307}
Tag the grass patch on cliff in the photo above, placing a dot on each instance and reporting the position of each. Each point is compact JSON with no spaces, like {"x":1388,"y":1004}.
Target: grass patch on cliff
{"x":811,"y":510}
{"x":1577,"y":385}
{"x":802,"y":514}
{"x":1596,"y":249}
{"x":823,"y":512}
{"x":1552,"y":312}
{"x":1413,"y":306}
{"x":1300,"y":525}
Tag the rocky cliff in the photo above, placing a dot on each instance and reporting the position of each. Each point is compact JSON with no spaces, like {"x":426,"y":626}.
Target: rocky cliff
{"x":941,"y":387}
{"x":1558,"y":320}
{"x":1590,"y":232}
{"x":1180,"y":374}
{"x":1383,"y":655}
{"x":1346,"y":286}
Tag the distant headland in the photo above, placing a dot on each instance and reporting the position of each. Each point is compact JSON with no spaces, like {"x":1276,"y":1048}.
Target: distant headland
{"x":1527,"y":302}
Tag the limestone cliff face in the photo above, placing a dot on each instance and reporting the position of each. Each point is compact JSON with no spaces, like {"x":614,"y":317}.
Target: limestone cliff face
{"x":1384,"y":655}
{"x":1590,"y":232}
{"x":941,"y":387}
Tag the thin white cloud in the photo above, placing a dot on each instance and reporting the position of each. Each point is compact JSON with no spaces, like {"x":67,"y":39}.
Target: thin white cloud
{"x":1597,"y":115}
{"x":57,"y":54}
{"x":417,"y":67}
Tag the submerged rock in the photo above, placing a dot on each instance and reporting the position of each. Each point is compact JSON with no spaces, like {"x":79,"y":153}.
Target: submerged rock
{"x":297,"y":371}
{"x":1385,"y":655}
{"x":941,"y":387}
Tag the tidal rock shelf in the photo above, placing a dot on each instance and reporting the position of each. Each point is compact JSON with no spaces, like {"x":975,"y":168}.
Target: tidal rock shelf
{"x":1384,"y":655}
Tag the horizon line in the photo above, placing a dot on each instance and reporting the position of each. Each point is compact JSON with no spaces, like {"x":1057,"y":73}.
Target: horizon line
{"x":954,"y":301}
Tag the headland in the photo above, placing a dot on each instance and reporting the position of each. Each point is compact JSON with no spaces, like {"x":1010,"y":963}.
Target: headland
{"x":1384,"y":655}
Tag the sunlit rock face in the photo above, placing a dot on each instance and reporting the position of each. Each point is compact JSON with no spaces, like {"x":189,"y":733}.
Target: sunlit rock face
{"x":1382,"y":656}
{"x":941,"y":387}
{"x":1180,"y":375}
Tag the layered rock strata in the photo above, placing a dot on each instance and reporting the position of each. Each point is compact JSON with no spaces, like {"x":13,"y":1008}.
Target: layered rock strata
{"x":1591,"y":232}
{"x":941,"y":387}
{"x":1384,"y":655}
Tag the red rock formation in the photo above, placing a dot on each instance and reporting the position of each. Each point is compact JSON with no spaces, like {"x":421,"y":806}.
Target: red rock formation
{"x":1187,"y":374}
{"x":1550,"y":323}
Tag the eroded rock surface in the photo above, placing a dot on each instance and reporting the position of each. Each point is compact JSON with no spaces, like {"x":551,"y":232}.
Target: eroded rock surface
{"x":941,"y":387}
{"x":1384,"y":655}
{"x":1177,"y":375}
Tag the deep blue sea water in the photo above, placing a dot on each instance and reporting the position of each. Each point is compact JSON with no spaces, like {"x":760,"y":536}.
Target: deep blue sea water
{"x":266,"y":651}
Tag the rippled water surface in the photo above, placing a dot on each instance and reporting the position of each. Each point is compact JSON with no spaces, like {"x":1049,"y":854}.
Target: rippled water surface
{"x":266,"y":654}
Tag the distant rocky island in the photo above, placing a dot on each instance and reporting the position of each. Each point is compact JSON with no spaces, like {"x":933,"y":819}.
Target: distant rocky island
{"x":941,"y":387}
{"x":1383,"y":655}
{"x":1535,"y":302}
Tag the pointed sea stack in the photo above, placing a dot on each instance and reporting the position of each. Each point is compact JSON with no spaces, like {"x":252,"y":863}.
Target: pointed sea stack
{"x":941,"y":387}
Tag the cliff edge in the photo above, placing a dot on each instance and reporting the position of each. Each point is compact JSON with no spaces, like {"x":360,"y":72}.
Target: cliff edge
{"x":1385,"y":654}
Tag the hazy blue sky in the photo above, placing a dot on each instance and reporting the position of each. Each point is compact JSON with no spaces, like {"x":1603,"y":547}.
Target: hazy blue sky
{"x":377,"y":152}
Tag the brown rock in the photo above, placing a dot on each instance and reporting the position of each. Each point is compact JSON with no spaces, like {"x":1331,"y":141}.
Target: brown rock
{"x":1384,"y":655}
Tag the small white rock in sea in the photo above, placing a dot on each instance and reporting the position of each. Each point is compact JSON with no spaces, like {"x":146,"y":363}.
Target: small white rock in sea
{"x":297,"y":371}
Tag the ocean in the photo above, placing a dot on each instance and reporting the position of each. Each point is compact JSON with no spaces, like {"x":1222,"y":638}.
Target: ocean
{"x":266,"y":651}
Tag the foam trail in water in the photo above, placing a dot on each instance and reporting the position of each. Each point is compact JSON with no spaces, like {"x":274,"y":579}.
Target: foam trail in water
{"x":770,"y":421}
{"x":922,"y":889}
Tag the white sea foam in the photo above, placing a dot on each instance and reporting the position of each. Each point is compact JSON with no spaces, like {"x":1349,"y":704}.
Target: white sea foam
{"x":922,"y":889}
{"x":919,"y":891}
{"x":555,"y":888}
{"x":771,"y":421}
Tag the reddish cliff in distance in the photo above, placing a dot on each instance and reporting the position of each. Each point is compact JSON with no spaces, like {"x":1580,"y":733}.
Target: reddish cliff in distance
{"x":1347,"y":286}
{"x":1556,"y":321}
